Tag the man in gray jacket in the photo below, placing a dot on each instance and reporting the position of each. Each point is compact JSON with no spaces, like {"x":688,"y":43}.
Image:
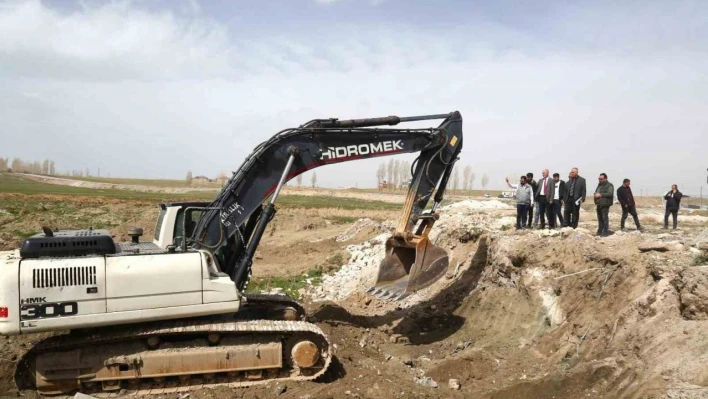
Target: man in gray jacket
{"x":574,"y":196}
{"x":604,"y":197}
{"x":524,"y":201}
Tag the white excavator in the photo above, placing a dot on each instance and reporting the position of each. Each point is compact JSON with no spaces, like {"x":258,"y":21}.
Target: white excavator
{"x":173,"y":314}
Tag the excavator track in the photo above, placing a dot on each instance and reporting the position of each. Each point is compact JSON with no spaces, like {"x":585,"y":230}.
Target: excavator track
{"x":175,"y":356}
{"x":271,"y":306}
{"x":228,"y":351}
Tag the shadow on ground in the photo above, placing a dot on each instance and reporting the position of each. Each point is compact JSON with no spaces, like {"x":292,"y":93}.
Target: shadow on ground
{"x":438,"y":324}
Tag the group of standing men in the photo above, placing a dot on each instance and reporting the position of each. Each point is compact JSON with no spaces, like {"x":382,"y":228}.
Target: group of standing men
{"x":549,"y":196}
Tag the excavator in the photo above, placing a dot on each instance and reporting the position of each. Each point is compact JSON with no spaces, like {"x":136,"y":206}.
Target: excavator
{"x":174,"y":314}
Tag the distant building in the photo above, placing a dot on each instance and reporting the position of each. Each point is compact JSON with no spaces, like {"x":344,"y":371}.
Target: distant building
{"x":203,"y":179}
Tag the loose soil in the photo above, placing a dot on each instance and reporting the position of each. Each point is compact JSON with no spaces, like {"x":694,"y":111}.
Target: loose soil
{"x":521,"y":314}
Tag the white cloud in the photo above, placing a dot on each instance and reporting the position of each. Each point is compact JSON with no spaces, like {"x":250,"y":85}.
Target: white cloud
{"x":110,"y":42}
{"x":328,"y":2}
{"x":153,"y":94}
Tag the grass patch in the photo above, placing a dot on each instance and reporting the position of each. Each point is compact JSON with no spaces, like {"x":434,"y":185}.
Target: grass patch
{"x":291,"y":285}
{"x":700,"y":260}
{"x":10,"y":183}
{"x":342,"y":219}
{"x":23,"y":235}
{"x":306,"y":201}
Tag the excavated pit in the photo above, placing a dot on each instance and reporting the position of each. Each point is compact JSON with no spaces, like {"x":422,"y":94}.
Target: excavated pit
{"x":538,"y":314}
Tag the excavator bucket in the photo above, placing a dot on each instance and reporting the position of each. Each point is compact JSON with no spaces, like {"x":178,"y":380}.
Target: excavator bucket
{"x":406,"y":268}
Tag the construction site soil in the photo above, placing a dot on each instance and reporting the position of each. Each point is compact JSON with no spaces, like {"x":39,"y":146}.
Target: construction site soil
{"x":520,"y":314}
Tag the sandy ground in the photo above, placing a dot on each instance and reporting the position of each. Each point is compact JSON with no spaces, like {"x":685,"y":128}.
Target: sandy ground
{"x":528,"y":314}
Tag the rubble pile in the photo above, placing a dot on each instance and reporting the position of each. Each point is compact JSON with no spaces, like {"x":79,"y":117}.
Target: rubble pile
{"x":363,"y":224}
{"x":360,"y":272}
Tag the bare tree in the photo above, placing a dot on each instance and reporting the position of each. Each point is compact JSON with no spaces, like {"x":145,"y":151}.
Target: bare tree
{"x":381,"y":174}
{"x":472,"y":177}
{"x":314,"y":179}
{"x":298,"y":179}
{"x":455,"y":178}
{"x":52,"y":169}
{"x":485,"y":181}
{"x":189,"y":176}
{"x":390,"y":172}
{"x":466,"y":177}
{"x":403,"y":172}
{"x":88,"y":172}
{"x":3,"y":164}
{"x":222,"y":178}
{"x":394,"y":180}
{"x":45,"y":167}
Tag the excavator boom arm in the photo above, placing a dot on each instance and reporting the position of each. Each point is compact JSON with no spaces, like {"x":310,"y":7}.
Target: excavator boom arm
{"x":237,"y":212}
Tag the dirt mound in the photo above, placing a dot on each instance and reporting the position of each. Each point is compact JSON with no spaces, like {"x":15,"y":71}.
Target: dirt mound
{"x":539,"y":314}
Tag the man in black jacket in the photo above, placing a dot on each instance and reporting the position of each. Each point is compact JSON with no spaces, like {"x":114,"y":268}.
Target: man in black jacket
{"x":558,"y":199}
{"x":673,"y":201}
{"x":574,"y":196}
{"x":604,"y":197}
{"x":626,"y":200}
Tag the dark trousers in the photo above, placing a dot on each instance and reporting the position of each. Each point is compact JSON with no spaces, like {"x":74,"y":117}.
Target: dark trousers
{"x":572,"y":214}
{"x":522,"y":211}
{"x":629,"y":210}
{"x":603,"y":219}
{"x":674,"y":213}
{"x":557,"y":212}
{"x":530,"y":212}
{"x":545,"y":210}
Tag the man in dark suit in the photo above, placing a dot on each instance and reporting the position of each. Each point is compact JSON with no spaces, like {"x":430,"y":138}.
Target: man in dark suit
{"x":574,"y":196}
{"x":558,"y":199}
{"x":673,"y":202}
{"x":544,"y":197}
{"x":626,"y":200}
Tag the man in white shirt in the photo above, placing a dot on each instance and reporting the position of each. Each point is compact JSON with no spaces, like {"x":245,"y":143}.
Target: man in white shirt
{"x":524,"y":200}
{"x":544,"y":197}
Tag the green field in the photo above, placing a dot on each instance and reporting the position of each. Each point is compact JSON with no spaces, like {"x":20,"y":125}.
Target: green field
{"x":15,"y":184}
{"x":10,"y":183}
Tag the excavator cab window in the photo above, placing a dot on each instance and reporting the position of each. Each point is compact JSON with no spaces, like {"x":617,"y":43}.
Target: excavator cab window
{"x":158,"y":226}
{"x":185,"y":223}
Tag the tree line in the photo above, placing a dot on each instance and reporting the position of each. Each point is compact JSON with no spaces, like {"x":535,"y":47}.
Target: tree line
{"x":46,"y":167}
{"x":394,"y":174}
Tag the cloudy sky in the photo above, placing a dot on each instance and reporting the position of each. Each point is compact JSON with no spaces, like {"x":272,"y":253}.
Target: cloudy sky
{"x":155,"y":88}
